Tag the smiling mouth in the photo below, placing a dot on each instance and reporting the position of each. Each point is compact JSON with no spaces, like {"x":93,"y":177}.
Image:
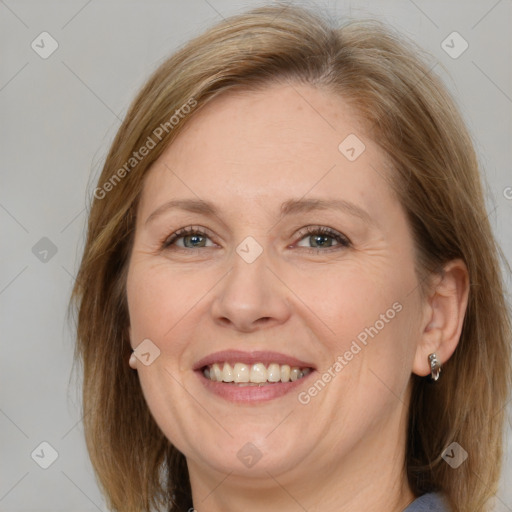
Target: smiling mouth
{"x":257,"y":374}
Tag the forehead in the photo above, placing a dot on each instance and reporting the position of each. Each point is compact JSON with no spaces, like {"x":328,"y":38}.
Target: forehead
{"x":251,"y":147}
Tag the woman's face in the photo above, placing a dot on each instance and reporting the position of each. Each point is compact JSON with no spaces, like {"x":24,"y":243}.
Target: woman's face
{"x":292,"y":260}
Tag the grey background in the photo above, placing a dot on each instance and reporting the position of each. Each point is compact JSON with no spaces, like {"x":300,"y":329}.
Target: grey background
{"x":59,"y":116}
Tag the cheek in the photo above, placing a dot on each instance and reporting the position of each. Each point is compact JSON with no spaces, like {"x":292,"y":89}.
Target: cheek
{"x":165,"y":400}
{"x":380,"y":373}
{"x":157,"y":310}
{"x":158,"y":299}
{"x":350,"y":298}
{"x":373,"y":326}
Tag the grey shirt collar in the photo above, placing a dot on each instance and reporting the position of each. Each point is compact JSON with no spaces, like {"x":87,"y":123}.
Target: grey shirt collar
{"x":431,"y":502}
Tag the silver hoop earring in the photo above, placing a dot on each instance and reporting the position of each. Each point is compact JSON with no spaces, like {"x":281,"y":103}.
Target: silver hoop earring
{"x":435,"y":366}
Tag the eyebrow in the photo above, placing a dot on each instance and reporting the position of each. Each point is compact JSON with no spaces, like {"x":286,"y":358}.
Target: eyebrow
{"x":189,"y":205}
{"x":290,"y":207}
{"x":294,"y":206}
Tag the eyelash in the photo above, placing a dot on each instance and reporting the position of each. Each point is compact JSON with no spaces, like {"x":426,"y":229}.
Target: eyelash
{"x":343,"y":241}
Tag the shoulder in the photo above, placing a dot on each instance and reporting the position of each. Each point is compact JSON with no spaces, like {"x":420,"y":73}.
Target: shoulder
{"x":431,"y":502}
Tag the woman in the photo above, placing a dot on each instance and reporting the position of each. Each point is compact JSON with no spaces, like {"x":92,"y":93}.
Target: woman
{"x":290,"y":296}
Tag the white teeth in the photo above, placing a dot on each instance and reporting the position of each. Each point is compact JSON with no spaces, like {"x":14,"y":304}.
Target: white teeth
{"x":241,"y":372}
{"x":255,"y":374}
{"x":274,"y":372}
{"x":227,"y":373}
{"x":258,"y":373}
{"x":215,"y":372}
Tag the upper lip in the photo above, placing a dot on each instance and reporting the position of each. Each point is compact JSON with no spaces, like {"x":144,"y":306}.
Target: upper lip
{"x":239,"y":356}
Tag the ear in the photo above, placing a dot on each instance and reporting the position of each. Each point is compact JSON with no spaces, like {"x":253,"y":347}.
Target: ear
{"x":444,"y":310}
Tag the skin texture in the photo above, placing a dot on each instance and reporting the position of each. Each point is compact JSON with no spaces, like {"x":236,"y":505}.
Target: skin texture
{"x":344,"y":450}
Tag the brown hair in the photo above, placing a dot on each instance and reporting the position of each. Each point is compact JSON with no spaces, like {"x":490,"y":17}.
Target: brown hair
{"x":408,"y":112}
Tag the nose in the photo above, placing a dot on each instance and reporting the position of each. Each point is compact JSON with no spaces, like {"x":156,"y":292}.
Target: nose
{"x":250,"y":297}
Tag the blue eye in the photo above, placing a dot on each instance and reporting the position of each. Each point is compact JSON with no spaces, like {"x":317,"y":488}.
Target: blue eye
{"x":192,"y":239}
{"x":322,"y":238}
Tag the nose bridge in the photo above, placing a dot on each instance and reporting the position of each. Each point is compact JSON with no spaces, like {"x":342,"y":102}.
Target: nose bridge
{"x":250,"y":294}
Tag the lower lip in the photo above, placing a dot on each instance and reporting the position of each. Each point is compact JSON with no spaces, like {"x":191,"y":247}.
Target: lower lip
{"x":250,"y":394}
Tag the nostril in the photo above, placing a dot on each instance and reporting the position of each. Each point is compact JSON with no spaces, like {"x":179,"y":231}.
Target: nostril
{"x":263,"y":320}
